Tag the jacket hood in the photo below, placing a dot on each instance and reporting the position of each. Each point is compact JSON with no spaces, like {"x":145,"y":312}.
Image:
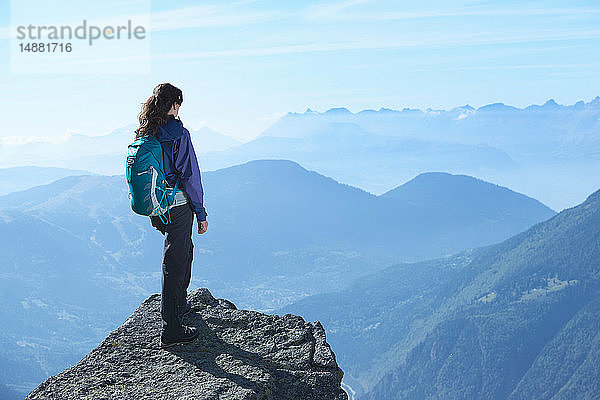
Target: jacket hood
{"x":171,"y":131}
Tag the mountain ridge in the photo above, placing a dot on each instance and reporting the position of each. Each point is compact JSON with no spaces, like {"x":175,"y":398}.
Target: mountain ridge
{"x":512,"y":302}
{"x":20,"y":178}
{"x":458,"y":188}
{"x":550,"y":103}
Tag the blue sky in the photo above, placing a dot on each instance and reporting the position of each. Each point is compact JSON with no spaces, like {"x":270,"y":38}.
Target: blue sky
{"x":243,"y":64}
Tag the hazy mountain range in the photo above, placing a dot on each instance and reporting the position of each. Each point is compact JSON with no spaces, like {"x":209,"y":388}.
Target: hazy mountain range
{"x":21,"y":178}
{"x":545,"y":151}
{"x":103,"y":154}
{"x":76,"y":260}
{"x":516,"y":320}
{"x":517,"y":131}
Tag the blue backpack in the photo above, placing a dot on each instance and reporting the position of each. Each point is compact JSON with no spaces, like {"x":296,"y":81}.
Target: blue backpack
{"x":145,"y":175}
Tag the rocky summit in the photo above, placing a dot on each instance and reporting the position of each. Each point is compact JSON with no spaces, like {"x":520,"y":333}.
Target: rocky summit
{"x":240,"y":354}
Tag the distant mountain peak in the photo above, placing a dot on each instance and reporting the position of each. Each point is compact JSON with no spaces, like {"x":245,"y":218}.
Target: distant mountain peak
{"x":309,"y":111}
{"x":338,"y":110}
{"x":410,"y":110}
{"x":497,"y":107}
{"x":367,"y":111}
{"x":551,"y":104}
{"x":266,"y":165}
{"x":596,"y":101}
{"x":240,"y":355}
{"x":437,"y":177}
{"x":384,"y":109}
{"x":463,"y":112}
{"x":445,"y":188}
{"x":466,"y":107}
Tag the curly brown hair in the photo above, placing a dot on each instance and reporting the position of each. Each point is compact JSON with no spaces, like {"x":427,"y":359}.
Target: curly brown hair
{"x":156,"y":109}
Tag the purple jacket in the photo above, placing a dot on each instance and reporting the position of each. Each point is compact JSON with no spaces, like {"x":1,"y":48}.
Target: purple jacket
{"x":179,"y":158}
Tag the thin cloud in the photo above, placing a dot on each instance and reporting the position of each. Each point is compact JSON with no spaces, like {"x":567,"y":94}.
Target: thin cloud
{"x":402,"y":15}
{"x":211,"y":16}
{"x":122,"y":3}
{"x":241,"y":2}
{"x":508,"y":67}
{"x":328,"y":10}
{"x":385,"y":43}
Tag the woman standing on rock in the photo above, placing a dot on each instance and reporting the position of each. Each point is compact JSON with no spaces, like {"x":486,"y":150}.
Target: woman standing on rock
{"x":159,"y":117}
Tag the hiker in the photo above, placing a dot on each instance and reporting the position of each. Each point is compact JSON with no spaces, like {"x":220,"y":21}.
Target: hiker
{"x":160,"y":117}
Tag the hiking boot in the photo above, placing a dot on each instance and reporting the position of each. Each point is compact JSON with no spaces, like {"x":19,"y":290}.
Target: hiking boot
{"x":186,"y":334}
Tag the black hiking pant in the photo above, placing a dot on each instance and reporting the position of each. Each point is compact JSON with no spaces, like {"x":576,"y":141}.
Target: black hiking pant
{"x":176,"y":266}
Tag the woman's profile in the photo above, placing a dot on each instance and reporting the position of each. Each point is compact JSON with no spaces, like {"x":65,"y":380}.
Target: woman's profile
{"x":160,"y":117}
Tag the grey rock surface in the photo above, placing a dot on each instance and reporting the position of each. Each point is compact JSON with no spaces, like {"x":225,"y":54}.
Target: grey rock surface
{"x":239,"y":355}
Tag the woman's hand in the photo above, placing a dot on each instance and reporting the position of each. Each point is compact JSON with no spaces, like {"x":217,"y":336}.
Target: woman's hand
{"x":202,"y":227}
